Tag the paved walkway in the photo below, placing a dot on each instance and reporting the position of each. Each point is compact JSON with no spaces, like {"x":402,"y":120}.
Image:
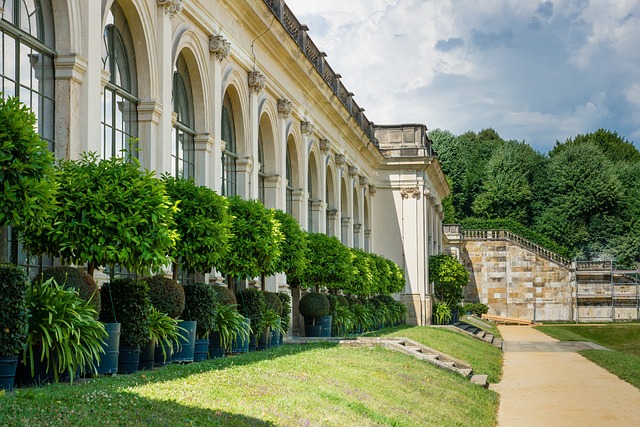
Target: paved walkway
{"x":546,"y":383}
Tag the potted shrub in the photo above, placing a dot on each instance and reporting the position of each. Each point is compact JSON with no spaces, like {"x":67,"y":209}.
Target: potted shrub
{"x":167,"y":296}
{"x":313,"y":306}
{"x":164,"y":332}
{"x":326,"y":321}
{"x":130,"y":307}
{"x":293,"y":256}
{"x":203,"y":223}
{"x":252,"y":304}
{"x":274,"y":303}
{"x":64,"y":335}
{"x":449,"y":279}
{"x":344,"y":319}
{"x":229,"y":326}
{"x":199,"y":307}
{"x":13,"y":320}
{"x":72,"y":278}
{"x":285,"y":317}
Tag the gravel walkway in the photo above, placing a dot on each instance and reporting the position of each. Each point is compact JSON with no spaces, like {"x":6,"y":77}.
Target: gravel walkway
{"x":546,"y":383}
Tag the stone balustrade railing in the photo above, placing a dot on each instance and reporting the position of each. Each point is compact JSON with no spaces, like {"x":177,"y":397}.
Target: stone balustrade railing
{"x":519,"y":240}
{"x":298,"y":33}
{"x":593,"y":265}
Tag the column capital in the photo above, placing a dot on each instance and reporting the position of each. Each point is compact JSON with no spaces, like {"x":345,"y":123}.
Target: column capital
{"x":340,"y":159}
{"x":204,"y":142}
{"x":325,"y":144}
{"x":353,"y":170}
{"x":372,"y":189}
{"x":364,"y":181}
{"x":410,"y":192}
{"x":149,"y":111}
{"x":257,"y":81}
{"x":284,"y":108}
{"x":70,"y":67}
{"x":307,"y":128}
{"x":171,"y":7}
{"x":219,"y":46}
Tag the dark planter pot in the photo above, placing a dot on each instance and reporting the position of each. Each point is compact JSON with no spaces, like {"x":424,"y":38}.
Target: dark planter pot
{"x":109,"y":360}
{"x":313,"y":330}
{"x":128,"y":359}
{"x":325,"y":322}
{"x":40,"y":376}
{"x":280,"y":339}
{"x":8,"y":366}
{"x":253,"y":342}
{"x":147,"y":356}
{"x":187,"y":343}
{"x":455,"y":317}
{"x":275,"y":336}
{"x":160,"y":358}
{"x":201,"y":351}
{"x":216,"y":350}
{"x":241,"y":345}
{"x":265,"y":339}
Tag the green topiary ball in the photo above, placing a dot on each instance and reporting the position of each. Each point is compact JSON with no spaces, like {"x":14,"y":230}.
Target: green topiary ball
{"x":273,"y":302}
{"x":166,"y":295}
{"x":333,"y":301}
{"x":225,"y":295}
{"x":200,"y":306}
{"x":131,"y":306}
{"x":14,"y":318}
{"x":314,"y":304}
{"x":343,"y":301}
{"x":354,"y":301}
{"x":251,"y":304}
{"x":72,"y":278}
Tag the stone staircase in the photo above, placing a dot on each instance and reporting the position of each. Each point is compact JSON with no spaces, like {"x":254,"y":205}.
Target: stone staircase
{"x":479,"y":333}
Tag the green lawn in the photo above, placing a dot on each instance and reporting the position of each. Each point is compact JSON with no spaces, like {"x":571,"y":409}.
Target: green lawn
{"x":483,"y":357}
{"x":296,"y":385}
{"x":623,"y":339}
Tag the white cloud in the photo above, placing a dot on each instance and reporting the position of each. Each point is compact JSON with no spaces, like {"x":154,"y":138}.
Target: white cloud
{"x":534,"y":71}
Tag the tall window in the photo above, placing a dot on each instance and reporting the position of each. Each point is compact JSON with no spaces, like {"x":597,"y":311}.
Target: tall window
{"x":229,"y":155}
{"x":261,"y":175}
{"x":120,"y":97}
{"x":310,"y":212}
{"x":289,"y":185}
{"x":26,"y":71}
{"x":183,"y":133}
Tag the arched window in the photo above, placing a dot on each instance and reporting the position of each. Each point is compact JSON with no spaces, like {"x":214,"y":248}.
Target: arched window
{"x":310,"y":212}
{"x":120,"y":96}
{"x":26,"y":71}
{"x":26,"y":62}
{"x":183,"y":133}
{"x":229,"y":155}
{"x":261,"y":175}
{"x":289,"y":184}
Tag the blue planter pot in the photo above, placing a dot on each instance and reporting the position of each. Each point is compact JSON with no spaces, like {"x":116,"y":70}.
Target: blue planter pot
{"x":160,"y":358}
{"x":325,"y":322}
{"x":128,"y":359}
{"x":275,"y":336}
{"x":201,"y":351}
{"x":8,"y":366}
{"x":147,"y":356}
{"x":215,"y":347}
{"x":109,"y":360}
{"x":184,"y":353}
{"x":241,"y":345}
{"x":264,"y":341}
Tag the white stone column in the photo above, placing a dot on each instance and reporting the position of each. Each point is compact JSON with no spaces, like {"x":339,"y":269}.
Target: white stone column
{"x":244,"y":166}
{"x":284,"y":111}
{"x":220,"y":49}
{"x":332,"y":221}
{"x":70,"y":73}
{"x":256,"y":85}
{"x":272,"y":193}
{"x":90,"y":92}
{"x":307,"y":129}
{"x":202,"y":158}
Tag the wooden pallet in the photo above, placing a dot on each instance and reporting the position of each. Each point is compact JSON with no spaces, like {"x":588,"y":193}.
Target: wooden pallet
{"x":503,"y":319}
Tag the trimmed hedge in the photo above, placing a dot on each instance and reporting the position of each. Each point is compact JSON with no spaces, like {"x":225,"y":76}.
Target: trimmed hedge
{"x":166,"y":294}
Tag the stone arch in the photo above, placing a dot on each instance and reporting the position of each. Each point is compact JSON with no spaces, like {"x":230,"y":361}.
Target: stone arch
{"x":234,"y":85}
{"x":69,"y":26}
{"x":268,"y":131}
{"x":196,"y":61}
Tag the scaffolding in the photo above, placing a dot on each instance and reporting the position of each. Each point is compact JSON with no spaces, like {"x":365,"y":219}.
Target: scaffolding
{"x":605,"y":293}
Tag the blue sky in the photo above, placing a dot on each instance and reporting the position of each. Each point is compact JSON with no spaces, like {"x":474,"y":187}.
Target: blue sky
{"x":537,"y":71}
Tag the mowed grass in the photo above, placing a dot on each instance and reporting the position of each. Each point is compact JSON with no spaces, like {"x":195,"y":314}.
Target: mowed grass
{"x":296,"y":385}
{"x":483,"y":357}
{"x":623,"y":339}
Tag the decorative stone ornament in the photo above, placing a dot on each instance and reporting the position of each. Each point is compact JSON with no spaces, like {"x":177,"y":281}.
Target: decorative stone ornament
{"x":325,"y":144}
{"x":372,"y":189}
{"x":410,"y":192}
{"x":353,"y":170}
{"x":284,"y":107}
{"x":364,"y":181}
{"x":220,"y":46}
{"x":256,"y":81}
{"x":171,"y":7}
{"x":341,"y":159}
{"x":307,"y":128}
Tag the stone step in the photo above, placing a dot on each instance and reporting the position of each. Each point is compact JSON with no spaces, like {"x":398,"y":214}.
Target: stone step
{"x":480,"y":333}
{"x":497,"y":342}
{"x":488,"y":337}
{"x":481,"y":380}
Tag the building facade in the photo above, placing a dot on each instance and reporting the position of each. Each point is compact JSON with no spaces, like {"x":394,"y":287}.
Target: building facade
{"x":237,"y":96}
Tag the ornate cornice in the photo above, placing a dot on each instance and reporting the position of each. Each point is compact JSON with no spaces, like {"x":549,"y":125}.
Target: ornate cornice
{"x":220,"y":46}
{"x":284,"y":108}
{"x":353,"y":170}
{"x":307,"y":128}
{"x":410,"y":192}
{"x":340,"y":159}
{"x":325,"y":144}
{"x":171,"y":7}
{"x":256,"y":81}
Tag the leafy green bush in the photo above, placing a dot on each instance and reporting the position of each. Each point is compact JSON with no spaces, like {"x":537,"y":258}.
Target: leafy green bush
{"x":329,"y":263}
{"x":314,"y":304}
{"x":225,"y":295}
{"x":442,"y":313}
{"x":109,"y":212}
{"x":252,"y":304}
{"x":342,"y":300}
{"x":13,"y":315}
{"x":72,"y":278}
{"x":343,"y":321}
{"x":476,"y":308}
{"x":229,"y":324}
{"x":131,"y":306}
{"x":164,"y":330}
{"x":285,"y":299}
{"x":273,"y":302}
{"x":203,"y":222}
{"x":63,"y":329}
{"x":166,"y":295}
{"x":293,"y":259}
{"x":200,"y":305}
{"x":449,"y":279}
{"x":26,"y":164}
{"x":333,"y":301}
